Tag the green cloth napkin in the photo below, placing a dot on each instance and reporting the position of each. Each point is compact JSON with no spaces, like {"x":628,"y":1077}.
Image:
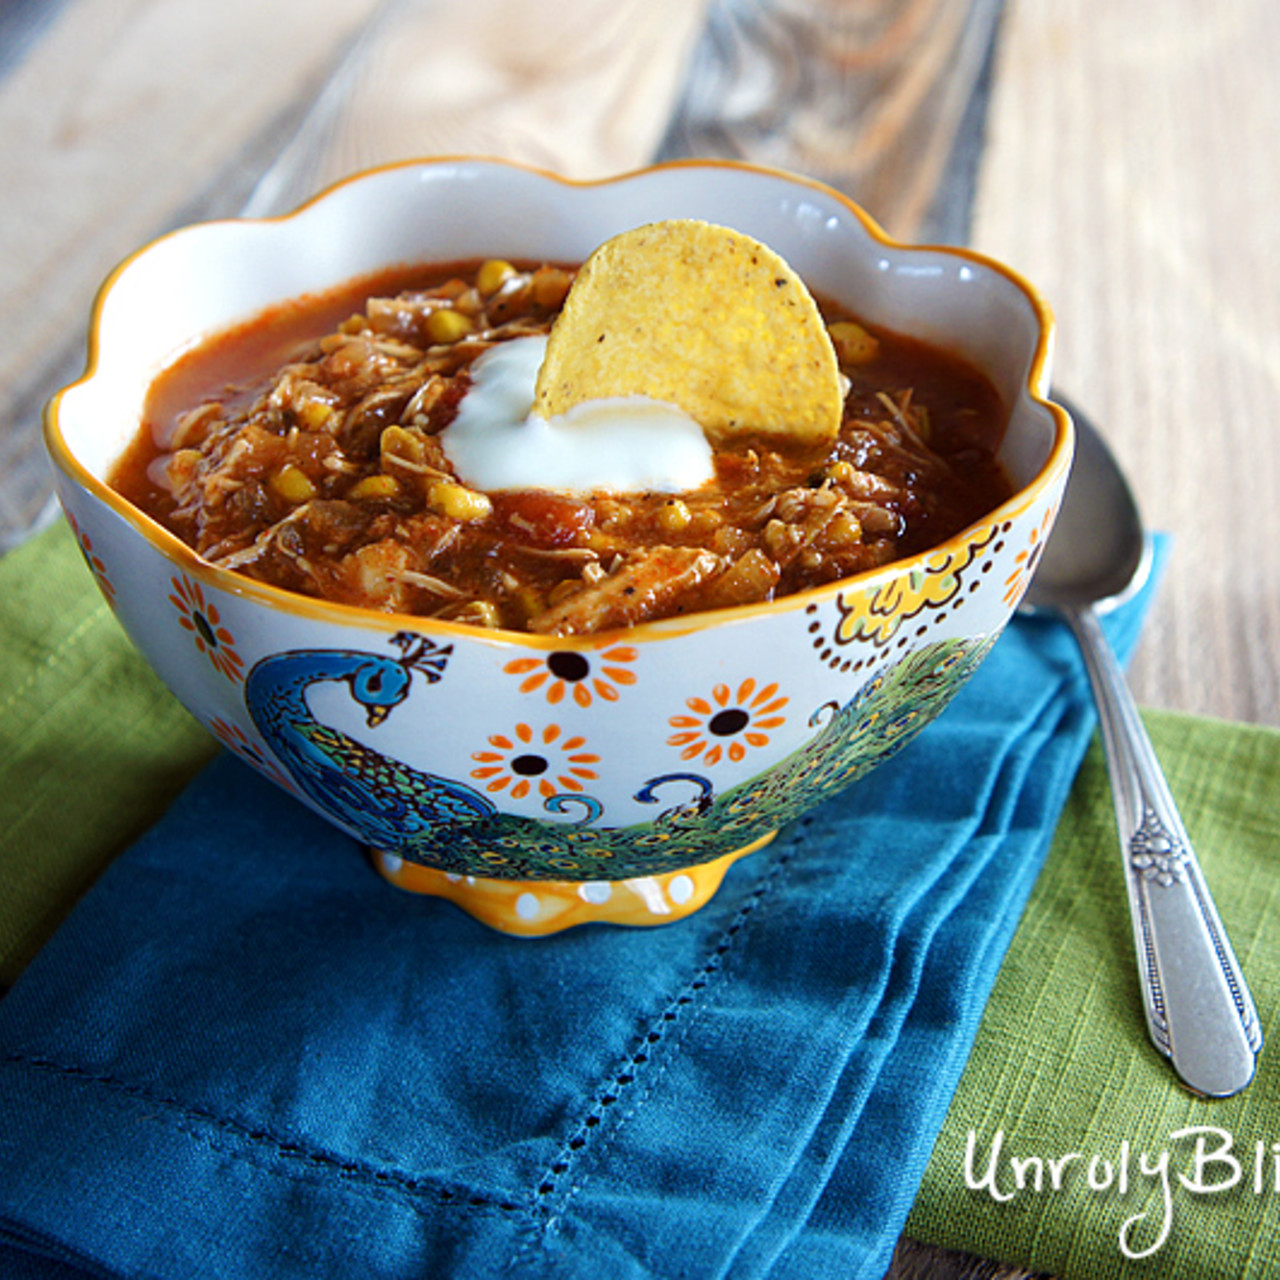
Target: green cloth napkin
{"x":1062,"y":1063}
{"x":73,"y":689}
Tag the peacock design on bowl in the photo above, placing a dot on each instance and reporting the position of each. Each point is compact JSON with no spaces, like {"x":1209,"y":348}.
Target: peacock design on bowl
{"x":605,"y":770}
{"x":445,"y":823}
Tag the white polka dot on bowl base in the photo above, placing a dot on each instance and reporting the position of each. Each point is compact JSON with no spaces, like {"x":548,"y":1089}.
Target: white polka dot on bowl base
{"x":680,"y":890}
{"x":596,"y":892}
{"x":527,"y":906}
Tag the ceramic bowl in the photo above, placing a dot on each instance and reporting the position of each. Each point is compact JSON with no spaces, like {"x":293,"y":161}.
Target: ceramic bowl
{"x":545,"y":782}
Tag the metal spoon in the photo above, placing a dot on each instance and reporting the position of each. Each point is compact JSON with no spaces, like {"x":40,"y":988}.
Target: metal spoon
{"x":1199,"y":1010}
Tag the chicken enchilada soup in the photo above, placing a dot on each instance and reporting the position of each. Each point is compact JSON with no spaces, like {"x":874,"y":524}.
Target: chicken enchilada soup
{"x":380,"y":445}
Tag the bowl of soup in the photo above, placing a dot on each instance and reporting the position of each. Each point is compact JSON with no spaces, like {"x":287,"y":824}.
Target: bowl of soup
{"x":556,"y":668}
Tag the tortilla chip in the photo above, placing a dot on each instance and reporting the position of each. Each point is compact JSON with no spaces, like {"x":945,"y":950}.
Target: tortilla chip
{"x":701,"y":317}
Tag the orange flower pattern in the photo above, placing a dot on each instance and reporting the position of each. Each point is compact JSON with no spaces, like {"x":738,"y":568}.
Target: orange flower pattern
{"x":725,"y":725}
{"x":527,"y":760}
{"x":94,"y":561}
{"x":1025,"y":562}
{"x":202,"y":619}
{"x":579,"y":676}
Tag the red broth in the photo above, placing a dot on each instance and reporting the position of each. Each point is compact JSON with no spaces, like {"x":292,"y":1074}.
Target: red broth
{"x":302,"y":448}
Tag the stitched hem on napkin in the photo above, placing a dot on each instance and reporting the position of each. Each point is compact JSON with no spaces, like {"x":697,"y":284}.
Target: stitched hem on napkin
{"x":245,"y":1055}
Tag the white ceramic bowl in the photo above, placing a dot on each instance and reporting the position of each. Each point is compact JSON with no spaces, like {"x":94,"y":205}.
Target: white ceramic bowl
{"x":637,"y":790}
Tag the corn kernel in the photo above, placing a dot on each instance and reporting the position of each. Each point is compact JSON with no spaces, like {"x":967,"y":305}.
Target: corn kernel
{"x":602,"y":541}
{"x":527,"y":601}
{"x":844,"y":530}
{"x":314,"y":414}
{"x":446,"y":325}
{"x":853,"y":344}
{"x":674,"y":515}
{"x":449,"y":499}
{"x":374,"y":487}
{"x":477,"y":613}
{"x":292,"y":485}
{"x":492,"y":275}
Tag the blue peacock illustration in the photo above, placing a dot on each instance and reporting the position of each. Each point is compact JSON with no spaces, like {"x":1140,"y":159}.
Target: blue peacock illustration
{"x":445,"y":823}
{"x":385,"y":801}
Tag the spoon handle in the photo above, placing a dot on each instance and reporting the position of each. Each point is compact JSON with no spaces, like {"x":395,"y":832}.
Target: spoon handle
{"x":1199,"y":1010}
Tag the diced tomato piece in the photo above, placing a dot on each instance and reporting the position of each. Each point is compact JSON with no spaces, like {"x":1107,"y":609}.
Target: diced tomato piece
{"x":546,"y":519}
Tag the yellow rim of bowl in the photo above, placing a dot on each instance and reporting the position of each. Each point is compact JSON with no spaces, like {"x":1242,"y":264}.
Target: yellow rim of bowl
{"x":173,"y":549}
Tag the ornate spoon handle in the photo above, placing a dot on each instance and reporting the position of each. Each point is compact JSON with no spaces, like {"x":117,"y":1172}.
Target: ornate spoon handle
{"x":1199,"y":1010}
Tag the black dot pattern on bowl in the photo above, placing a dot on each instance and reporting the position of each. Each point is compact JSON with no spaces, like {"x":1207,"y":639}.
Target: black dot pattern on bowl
{"x":568,"y":666}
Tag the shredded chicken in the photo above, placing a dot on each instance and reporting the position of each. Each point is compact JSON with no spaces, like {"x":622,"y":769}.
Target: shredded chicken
{"x":328,"y":476}
{"x":638,"y":587}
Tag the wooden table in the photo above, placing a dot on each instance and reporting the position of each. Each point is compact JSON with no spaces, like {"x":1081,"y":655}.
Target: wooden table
{"x":1123,"y":156}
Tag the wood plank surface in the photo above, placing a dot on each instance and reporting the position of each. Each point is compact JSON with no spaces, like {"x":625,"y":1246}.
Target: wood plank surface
{"x":1132,"y":171}
{"x":872,"y":98}
{"x":124,"y":118}
{"x":586,"y":95}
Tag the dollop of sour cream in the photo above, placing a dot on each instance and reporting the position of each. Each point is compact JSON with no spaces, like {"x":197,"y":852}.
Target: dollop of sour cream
{"x":630,"y":444}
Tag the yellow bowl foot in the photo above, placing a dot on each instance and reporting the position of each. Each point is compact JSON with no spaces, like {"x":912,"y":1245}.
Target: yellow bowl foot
{"x":534,"y":908}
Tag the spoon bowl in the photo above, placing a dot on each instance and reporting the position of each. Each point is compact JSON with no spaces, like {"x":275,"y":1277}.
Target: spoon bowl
{"x":1198,"y":1008}
{"x":1099,"y":554}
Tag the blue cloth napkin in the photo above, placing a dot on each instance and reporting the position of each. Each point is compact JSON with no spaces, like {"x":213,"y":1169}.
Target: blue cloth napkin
{"x":245,"y":1055}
